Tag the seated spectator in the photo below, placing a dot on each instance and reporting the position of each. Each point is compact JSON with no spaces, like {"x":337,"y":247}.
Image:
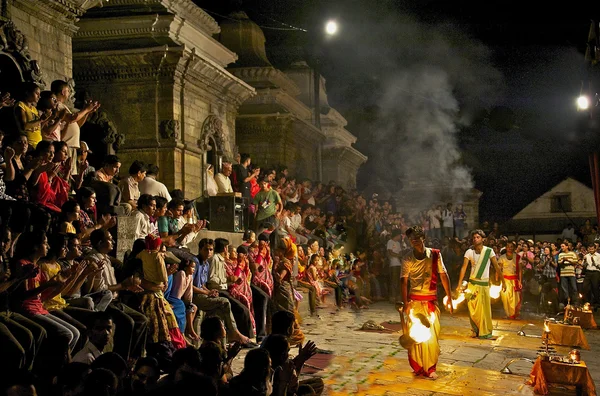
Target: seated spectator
{"x":20,"y":337}
{"x":222,"y":179}
{"x":17,"y":187}
{"x":255,"y":378}
{"x":108,"y":194}
{"x":27,"y":116}
{"x":211,"y":184}
{"x":173,"y":233}
{"x":152,"y":186}
{"x":72,"y":378}
{"x":48,"y":108}
{"x":89,"y":220}
{"x":130,"y":192}
{"x":144,"y":377}
{"x":84,"y":169}
{"x":100,"y":333}
{"x":145,"y":209}
{"x":183,"y":290}
{"x":131,"y":327}
{"x":101,"y":382}
{"x":47,"y":191}
{"x":69,"y":214}
{"x":208,"y":300}
{"x":213,"y":333}
{"x":163,"y":324}
{"x":219,"y":280}
{"x":62,"y":337}
{"x":287,"y":371}
{"x":239,"y":278}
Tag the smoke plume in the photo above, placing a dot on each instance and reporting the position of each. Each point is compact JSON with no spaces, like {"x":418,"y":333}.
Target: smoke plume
{"x":428,"y":82}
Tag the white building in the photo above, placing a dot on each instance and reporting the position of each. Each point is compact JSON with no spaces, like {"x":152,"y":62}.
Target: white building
{"x":570,"y":201}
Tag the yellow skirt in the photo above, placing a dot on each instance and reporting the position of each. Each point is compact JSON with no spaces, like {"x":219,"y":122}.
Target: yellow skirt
{"x":511,"y":299}
{"x":423,"y":357}
{"x":480,"y":311}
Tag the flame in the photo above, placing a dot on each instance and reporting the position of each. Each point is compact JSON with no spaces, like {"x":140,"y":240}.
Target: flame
{"x":546,"y":328}
{"x":495,"y":291}
{"x":418,"y":331}
{"x":455,"y":302}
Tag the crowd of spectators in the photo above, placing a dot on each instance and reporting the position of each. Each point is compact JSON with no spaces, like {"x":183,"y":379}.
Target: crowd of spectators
{"x":76,"y":319}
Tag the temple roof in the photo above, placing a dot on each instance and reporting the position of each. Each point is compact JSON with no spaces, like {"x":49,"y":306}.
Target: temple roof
{"x":246,"y":39}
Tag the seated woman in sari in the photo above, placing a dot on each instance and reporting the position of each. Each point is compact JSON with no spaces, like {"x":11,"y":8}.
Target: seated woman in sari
{"x":163,"y":325}
{"x":239,"y":278}
{"x":261,"y":266}
{"x":45,"y":191}
{"x":182,"y":290}
{"x":284,"y":295}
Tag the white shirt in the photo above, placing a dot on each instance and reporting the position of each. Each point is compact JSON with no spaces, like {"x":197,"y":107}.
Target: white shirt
{"x":295,"y":221}
{"x":474,"y":259}
{"x":88,"y":354}
{"x":153,"y":187}
{"x":223,"y":184}
{"x":72,"y":131}
{"x":448,"y":218}
{"x":143,"y":227}
{"x":217,"y":274}
{"x":211,"y":184}
{"x":395,"y":247}
{"x":434,"y":221}
{"x":592,"y":261}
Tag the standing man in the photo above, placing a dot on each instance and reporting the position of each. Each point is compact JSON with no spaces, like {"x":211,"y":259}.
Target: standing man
{"x":567,"y":260}
{"x":268,"y":204}
{"x":591,"y":283}
{"x":513,"y":277}
{"x":423,"y":268}
{"x":71,"y":132}
{"x":480,"y":305}
{"x":394,"y":247}
{"x":448,"y":222}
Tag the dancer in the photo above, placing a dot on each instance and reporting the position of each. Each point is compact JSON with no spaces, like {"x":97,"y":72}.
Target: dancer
{"x":512,"y":274}
{"x":479,"y":303}
{"x":423,"y":268}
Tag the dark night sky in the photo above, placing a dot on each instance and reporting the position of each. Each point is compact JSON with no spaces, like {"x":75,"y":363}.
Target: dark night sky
{"x":538,"y":53}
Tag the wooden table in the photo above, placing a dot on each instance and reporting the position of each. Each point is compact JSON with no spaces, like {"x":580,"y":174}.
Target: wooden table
{"x":568,"y":335}
{"x":586,"y":318}
{"x":578,"y":375}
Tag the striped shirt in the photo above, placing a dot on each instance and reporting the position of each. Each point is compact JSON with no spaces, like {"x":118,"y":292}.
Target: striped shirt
{"x":567,"y":269}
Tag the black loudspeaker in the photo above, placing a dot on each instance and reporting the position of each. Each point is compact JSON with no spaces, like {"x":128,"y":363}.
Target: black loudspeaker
{"x":226,"y":213}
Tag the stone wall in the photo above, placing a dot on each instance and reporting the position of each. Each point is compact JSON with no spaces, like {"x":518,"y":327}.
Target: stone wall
{"x":49,"y":35}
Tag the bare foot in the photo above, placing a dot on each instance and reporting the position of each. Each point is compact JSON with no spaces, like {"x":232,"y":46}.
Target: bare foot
{"x":237,"y":336}
{"x":192,"y":334}
{"x":432,"y":376}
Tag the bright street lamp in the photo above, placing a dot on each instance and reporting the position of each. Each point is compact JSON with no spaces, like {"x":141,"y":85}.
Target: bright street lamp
{"x":583,"y":103}
{"x":331,"y":28}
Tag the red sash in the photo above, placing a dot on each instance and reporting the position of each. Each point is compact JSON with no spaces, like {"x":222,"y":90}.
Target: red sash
{"x":435,"y":254}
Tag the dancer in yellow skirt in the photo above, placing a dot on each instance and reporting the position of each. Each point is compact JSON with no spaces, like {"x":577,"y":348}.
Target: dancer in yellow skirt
{"x":423,"y":268}
{"x":512,"y":274}
{"x":479,"y":302}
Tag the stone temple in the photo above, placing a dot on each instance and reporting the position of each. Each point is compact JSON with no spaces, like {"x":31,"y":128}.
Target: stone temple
{"x":177,"y":89}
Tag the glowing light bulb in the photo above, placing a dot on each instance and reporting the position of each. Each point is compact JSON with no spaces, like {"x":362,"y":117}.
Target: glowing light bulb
{"x":331,"y":28}
{"x":583,"y":102}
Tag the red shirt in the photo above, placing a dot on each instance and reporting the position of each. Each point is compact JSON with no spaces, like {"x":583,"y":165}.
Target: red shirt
{"x":33,"y":305}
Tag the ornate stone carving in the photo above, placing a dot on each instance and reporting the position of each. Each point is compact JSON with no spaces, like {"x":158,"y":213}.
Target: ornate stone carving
{"x":212,"y":128}
{"x":110,"y":136}
{"x":13,"y":42}
{"x":169,"y":129}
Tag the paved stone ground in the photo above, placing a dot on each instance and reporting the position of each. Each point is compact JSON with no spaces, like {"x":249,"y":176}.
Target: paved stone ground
{"x":369,"y":363}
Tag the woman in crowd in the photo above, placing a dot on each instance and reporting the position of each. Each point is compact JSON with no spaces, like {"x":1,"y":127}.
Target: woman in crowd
{"x":62,"y":336}
{"x":27,"y":116}
{"x":163,"y":324}
{"x":182,"y":290}
{"x":46,"y":191}
{"x":88,"y":216}
{"x":239,"y":278}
